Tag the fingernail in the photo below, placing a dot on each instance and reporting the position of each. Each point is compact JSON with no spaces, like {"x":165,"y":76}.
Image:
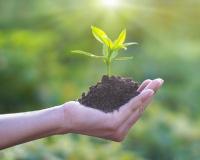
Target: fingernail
{"x":146,"y":94}
{"x":161,"y":81}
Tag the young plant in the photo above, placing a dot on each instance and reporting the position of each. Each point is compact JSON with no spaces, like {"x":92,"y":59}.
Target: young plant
{"x":110,"y":49}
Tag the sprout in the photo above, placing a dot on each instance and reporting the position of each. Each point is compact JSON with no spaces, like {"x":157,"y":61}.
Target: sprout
{"x":110,"y":48}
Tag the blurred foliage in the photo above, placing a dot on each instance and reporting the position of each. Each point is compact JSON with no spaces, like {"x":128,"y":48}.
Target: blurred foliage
{"x":37,"y":71}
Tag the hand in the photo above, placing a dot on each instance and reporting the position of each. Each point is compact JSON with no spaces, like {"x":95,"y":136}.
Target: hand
{"x":72,"y":117}
{"x":114,"y":126}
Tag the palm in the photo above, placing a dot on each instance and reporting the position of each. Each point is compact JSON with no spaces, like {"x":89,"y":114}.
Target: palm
{"x":114,"y":125}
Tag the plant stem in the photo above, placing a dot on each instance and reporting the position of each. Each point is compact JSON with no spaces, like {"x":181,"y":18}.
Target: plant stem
{"x":108,"y":69}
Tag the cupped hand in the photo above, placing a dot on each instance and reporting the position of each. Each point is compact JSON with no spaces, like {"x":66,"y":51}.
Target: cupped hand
{"x":115,"y":125}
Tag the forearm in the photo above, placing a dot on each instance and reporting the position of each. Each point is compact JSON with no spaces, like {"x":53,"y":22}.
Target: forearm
{"x":23,"y":127}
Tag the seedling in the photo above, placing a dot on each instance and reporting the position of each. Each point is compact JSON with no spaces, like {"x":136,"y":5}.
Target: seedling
{"x":110,"y":49}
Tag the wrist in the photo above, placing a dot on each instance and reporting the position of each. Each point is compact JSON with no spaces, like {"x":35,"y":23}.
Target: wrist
{"x":55,"y":119}
{"x":64,"y":114}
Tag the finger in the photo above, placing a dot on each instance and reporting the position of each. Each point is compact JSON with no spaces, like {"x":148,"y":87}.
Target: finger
{"x":132,"y":119}
{"x":127,"y":110}
{"x":143,"y":85}
{"x":124,"y":128}
{"x":154,"y":84}
{"x":140,"y":99}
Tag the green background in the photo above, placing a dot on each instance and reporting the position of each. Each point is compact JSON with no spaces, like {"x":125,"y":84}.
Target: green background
{"x":38,"y":71}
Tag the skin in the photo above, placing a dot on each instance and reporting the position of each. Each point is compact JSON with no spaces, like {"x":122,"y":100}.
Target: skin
{"x":72,"y":117}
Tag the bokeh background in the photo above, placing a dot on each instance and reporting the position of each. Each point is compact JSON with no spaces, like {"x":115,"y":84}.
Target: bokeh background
{"x":38,"y":71}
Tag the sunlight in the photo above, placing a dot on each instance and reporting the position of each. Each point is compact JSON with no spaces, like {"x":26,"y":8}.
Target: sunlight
{"x":111,"y":3}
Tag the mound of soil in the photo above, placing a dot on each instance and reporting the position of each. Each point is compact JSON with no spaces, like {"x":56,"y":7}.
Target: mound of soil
{"x":109,"y":94}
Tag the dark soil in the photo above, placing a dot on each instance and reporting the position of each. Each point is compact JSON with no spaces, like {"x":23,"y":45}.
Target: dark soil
{"x":109,"y":94}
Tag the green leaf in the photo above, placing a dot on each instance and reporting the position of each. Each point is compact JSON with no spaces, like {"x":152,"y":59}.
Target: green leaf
{"x":120,"y":40}
{"x":114,"y":54}
{"x":86,"y":53}
{"x":130,"y":43}
{"x":101,"y":36}
{"x":125,"y":45}
{"x":105,"y":50}
{"x":123,"y":58}
{"x":110,"y":43}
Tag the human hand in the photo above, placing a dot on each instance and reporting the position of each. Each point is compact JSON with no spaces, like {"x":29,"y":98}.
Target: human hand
{"x":77,"y":118}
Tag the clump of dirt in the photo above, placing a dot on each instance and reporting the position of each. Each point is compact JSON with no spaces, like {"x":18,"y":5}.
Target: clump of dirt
{"x":109,"y":94}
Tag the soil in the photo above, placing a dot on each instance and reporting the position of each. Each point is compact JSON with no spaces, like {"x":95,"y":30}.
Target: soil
{"x":109,"y":94}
